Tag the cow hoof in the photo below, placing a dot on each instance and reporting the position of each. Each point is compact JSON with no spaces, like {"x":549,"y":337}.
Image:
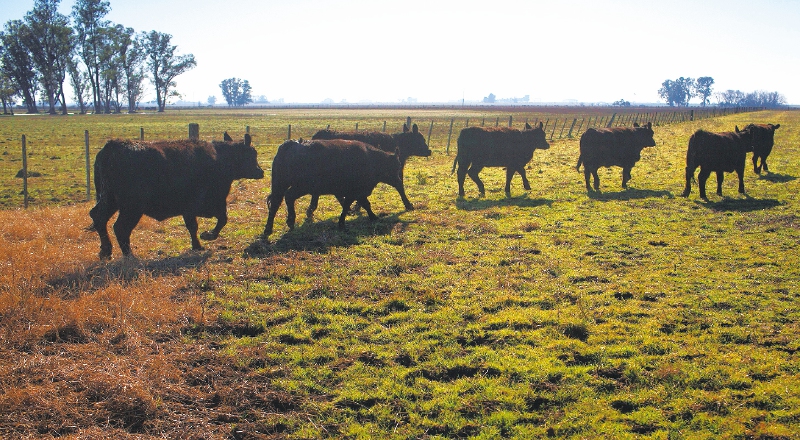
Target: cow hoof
{"x":409,"y":207}
{"x":104,"y":256}
{"x":209,"y":235}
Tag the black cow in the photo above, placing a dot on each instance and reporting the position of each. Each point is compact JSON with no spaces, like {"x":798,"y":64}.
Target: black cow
{"x":763,"y":140}
{"x":607,"y":147}
{"x":717,"y":152}
{"x":164,"y":179}
{"x":480,"y":147}
{"x":406,"y":144}
{"x":347,"y":169}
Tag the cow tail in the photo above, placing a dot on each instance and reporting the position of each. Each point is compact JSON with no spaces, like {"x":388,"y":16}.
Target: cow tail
{"x":455,"y":161}
{"x":580,"y":161}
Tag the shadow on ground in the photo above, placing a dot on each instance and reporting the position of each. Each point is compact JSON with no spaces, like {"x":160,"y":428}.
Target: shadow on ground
{"x":629,"y":194}
{"x":776,"y":178}
{"x":100,"y":274}
{"x":741,"y":205}
{"x":322,"y":236}
{"x":480,"y":204}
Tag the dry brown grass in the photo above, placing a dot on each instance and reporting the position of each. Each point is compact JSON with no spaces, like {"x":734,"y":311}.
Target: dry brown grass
{"x":94,"y":350}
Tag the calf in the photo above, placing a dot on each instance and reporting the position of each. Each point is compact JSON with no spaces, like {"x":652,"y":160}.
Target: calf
{"x":347,"y":169}
{"x":717,"y":152}
{"x":164,"y":179}
{"x":407,"y":143}
{"x":763,"y":140}
{"x":480,"y":147}
{"x":607,"y":147}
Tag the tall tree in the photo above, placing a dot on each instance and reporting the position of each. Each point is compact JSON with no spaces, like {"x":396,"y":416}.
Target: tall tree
{"x":18,"y":63}
{"x":79,"y":80}
{"x":131,"y":61}
{"x":50,"y":45}
{"x":7,"y":92}
{"x":702,"y":88}
{"x":164,"y":65}
{"x":236,"y":92}
{"x":88,"y":16}
{"x":677,"y":92}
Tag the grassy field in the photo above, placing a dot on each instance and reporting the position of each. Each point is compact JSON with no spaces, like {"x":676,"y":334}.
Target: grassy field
{"x":551,"y":313}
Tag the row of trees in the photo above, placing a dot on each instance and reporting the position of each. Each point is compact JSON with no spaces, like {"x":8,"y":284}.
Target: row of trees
{"x":105,"y":63}
{"x":236,"y":92}
{"x":678,"y":93}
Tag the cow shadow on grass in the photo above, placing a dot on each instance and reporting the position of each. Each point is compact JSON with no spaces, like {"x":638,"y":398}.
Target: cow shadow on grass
{"x":125,"y":270}
{"x":481,"y":204}
{"x":629,"y":194}
{"x":321,"y":236}
{"x":776,"y":177}
{"x":746,"y":204}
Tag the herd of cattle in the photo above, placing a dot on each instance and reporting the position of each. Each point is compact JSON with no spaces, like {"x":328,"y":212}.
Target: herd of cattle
{"x":164,"y":179}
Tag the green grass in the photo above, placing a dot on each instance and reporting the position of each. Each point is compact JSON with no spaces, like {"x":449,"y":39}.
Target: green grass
{"x":552,"y":313}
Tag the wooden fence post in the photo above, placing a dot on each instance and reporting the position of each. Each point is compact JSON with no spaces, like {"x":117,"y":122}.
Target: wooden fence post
{"x":449,"y":136}
{"x":247,"y":129}
{"x":561,"y":133}
{"x":408,"y":122}
{"x":356,"y":126}
{"x":141,"y":133}
{"x":497,"y":122}
{"x":88,"y":169}
{"x":25,"y":171}
{"x":384,"y":126}
{"x":569,"y":135}
{"x":554,"y":129}
{"x":509,"y":121}
{"x":289,"y":134}
{"x":194,"y":131}
{"x":611,"y":121}
{"x":430,"y":131}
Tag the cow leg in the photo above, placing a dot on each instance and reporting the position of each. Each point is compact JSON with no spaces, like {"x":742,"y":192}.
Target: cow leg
{"x":702,"y":177}
{"x":367,"y":207}
{"x":509,"y":175}
{"x":222,"y":220}
{"x":100,"y":214}
{"x":596,"y":180}
{"x":123,"y":227}
{"x":626,"y":176}
{"x":345,"y":202}
{"x":191,"y":224}
{"x":757,"y":168}
{"x":312,"y":207}
{"x":525,"y":183}
{"x":764,"y":163}
{"x":473,"y":174}
{"x":400,"y":190}
{"x":274,"y":201}
{"x":291,"y":215}
{"x":587,"y":175}
{"x":740,"y":174}
{"x":689,"y":176}
{"x":461,"y":174}
{"x":720,"y":178}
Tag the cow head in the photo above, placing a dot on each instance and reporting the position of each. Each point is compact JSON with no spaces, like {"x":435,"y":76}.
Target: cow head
{"x":644,"y":135}
{"x":239,"y":159}
{"x":536,"y":136}
{"x":411,"y":142}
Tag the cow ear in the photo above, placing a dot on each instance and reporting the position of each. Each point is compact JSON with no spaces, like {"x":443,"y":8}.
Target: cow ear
{"x":541,"y":124}
{"x":414,"y":128}
{"x":528,"y":126}
{"x":649,"y":125}
{"x":776,"y":126}
{"x":247,"y":139}
{"x":636,"y":124}
{"x":405,"y":128}
{"x":737,"y":128}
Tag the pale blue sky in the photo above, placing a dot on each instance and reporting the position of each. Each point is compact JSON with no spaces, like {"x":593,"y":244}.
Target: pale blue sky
{"x":443,"y":51}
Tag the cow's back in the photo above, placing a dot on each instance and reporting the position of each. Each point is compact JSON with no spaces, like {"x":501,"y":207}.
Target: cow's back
{"x":378,"y":140}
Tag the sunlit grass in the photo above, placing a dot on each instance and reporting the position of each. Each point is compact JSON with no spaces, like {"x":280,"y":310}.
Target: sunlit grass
{"x":552,"y":313}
